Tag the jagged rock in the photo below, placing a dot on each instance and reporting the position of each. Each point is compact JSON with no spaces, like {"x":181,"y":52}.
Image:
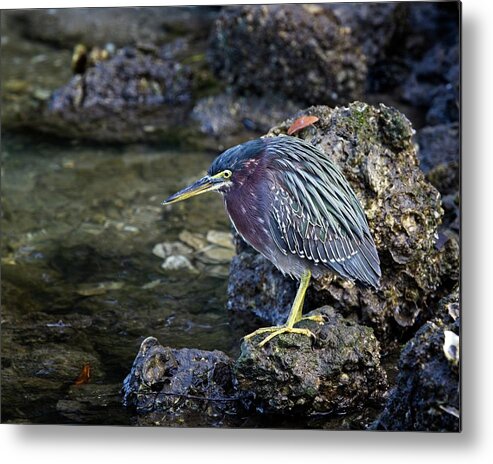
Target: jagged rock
{"x":120,"y":26}
{"x":166,"y":382}
{"x":293,"y":375}
{"x":299,"y":50}
{"x":373,"y":146}
{"x":427,"y":395}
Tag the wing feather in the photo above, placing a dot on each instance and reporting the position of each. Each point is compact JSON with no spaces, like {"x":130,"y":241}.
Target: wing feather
{"x":316,"y":214}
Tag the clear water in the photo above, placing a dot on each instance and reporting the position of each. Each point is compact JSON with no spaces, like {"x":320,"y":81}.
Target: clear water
{"x":78,"y":273}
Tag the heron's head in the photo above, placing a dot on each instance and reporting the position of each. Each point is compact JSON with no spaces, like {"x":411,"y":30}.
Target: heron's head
{"x":229,"y":170}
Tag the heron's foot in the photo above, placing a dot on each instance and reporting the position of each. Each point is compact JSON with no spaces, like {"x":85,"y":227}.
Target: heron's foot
{"x":278,"y":330}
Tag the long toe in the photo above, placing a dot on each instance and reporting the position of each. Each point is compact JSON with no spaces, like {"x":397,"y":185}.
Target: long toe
{"x":282,"y":330}
{"x":263,"y":330}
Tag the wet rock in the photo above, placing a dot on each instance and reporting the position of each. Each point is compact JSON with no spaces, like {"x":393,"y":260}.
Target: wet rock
{"x":154,"y":93}
{"x":93,"y":404}
{"x":193,"y":240}
{"x":180,"y":383}
{"x":291,"y":375}
{"x":373,"y":146}
{"x":223,"y":239}
{"x":120,"y":26}
{"x":301,"y":51}
{"x":427,"y":395}
{"x":165,"y":249}
{"x":216,"y":255}
{"x":177,"y":262}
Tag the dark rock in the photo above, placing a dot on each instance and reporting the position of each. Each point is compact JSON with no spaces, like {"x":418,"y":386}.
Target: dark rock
{"x":427,"y":395}
{"x":439,"y":158}
{"x":154,"y":93}
{"x":258,"y":293}
{"x":434,"y":84}
{"x":373,"y":25}
{"x":229,"y":119}
{"x":96,"y":404}
{"x":428,"y":23}
{"x":438,"y":145}
{"x":299,"y":50}
{"x":187,"y":383}
{"x":339,"y":372}
{"x":120,"y":26}
{"x":373,"y":146}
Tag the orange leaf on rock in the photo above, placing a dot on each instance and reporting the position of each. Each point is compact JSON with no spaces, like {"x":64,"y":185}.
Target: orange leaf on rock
{"x":301,"y":123}
{"x":84,"y":376}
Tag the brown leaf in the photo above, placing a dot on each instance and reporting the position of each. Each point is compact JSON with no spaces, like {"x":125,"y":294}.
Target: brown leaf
{"x":84,"y":376}
{"x":301,"y":123}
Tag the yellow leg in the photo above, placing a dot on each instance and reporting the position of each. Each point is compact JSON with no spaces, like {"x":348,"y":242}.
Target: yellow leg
{"x":294,"y":316}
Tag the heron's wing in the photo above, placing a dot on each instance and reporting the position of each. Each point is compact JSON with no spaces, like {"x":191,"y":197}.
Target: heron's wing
{"x":316,"y":215}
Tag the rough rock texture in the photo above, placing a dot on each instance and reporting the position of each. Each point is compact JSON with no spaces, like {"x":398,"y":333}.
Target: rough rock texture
{"x":434,"y":84}
{"x":120,"y":26}
{"x":427,"y":394}
{"x":373,"y":147}
{"x":290,"y":375}
{"x":299,"y":50}
{"x":439,"y":148}
{"x":438,"y":144}
{"x":373,"y":25}
{"x":153,"y":92}
{"x":188,"y":382}
{"x":231,"y":119}
{"x":258,"y":293}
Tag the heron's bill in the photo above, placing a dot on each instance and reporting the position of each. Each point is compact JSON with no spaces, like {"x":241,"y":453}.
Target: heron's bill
{"x":206,"y":184}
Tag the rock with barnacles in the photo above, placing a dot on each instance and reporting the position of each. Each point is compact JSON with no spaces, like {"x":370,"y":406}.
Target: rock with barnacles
{"x":192,"y":384}
{"x":293,"y":374}
{"x":374,"y":148}
{"x":426,"y":396}
{"x":300,"y":51}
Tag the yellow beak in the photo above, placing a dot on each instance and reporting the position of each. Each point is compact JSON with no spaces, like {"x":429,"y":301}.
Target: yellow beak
{"x":206,"y":184}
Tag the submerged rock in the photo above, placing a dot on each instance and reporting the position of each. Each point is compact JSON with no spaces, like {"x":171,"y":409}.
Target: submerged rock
{"x":373,"y":146}
{"x":301,"y":51}
{"x":170,"y":382}
{"x":427,"y":394}
{"x":294,"y":375}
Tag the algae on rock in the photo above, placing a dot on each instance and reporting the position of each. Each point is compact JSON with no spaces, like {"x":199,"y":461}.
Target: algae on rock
{"x":293,"y":375}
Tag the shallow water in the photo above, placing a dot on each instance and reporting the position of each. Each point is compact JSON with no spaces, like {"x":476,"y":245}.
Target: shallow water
{"x":79,"y":280}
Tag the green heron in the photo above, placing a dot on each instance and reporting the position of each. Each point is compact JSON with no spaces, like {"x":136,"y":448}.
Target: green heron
{"x":291,"y":203}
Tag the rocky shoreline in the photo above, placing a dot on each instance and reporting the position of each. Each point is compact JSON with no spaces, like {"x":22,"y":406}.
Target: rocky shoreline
{"x":382,"y":81}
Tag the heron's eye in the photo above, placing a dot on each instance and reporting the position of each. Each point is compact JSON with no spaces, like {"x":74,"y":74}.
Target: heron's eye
{"x":227,"y":174}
